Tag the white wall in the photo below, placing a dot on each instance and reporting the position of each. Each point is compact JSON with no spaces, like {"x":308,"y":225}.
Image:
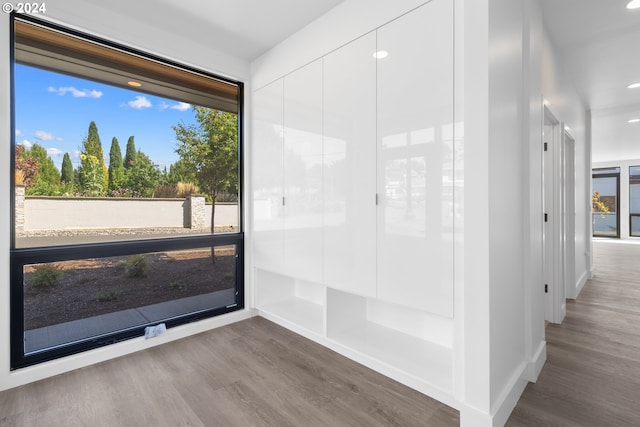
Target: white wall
{"x":565,"y":104}
{"x":532,"y":186}
{"x":138,"y":32}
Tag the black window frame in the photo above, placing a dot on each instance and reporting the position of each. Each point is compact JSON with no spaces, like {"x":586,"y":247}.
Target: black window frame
{"x":632,"y":214}
{"x":19,"y":257}
{"x":604,"y":173}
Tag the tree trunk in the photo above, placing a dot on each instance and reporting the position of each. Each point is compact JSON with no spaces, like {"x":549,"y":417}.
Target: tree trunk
{"x":213,"y":230}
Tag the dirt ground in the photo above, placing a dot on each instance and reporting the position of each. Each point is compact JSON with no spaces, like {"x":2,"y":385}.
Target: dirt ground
{"x":99,"y":286}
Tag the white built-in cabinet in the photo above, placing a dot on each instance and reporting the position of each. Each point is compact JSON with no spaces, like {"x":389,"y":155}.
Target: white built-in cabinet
{"x":415,"y":159}
{"x":353,"y":181}
{"x":350,"y":167}
{"x":268,"y":181}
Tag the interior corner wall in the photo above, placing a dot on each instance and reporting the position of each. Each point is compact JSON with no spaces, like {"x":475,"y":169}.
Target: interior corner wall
{"x":506,"y":204}
{"x":567,"y":106}
{"x":137,"y":32}
{"x":532,"y":189}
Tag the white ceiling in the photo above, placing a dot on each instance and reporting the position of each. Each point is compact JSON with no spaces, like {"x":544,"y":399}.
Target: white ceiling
{"x":598,"y":42}
{"x":244,"y":29}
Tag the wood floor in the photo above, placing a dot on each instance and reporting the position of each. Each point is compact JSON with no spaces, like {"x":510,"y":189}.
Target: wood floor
{"x":252,"y":373}
{"x":592,"y":374}
{"x":255,"y":373}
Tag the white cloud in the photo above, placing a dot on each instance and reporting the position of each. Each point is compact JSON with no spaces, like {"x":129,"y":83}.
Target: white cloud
{"x":139,"y":103}
{"x":76,"y":93}
{"x":181,"y":106}
{"x":25,"y":143}
{"x":43,"y":136}
{"x":54,"y":152}
{"x":18,"y":133}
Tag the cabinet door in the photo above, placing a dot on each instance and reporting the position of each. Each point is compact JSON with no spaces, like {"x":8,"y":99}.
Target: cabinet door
{"x":267,"y":177}
{"x":415,"y":159}
{"x":350,"y":167}
{"x":303,"y":172}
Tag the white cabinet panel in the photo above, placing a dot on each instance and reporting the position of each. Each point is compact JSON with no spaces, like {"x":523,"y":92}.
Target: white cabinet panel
{"x":415,"y":159}
{"x":303,"y":172}
{"x":267,"y":177}
{"x":350,"y":167}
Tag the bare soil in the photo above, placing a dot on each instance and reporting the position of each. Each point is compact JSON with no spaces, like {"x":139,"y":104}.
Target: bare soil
{"x":98,"y":286}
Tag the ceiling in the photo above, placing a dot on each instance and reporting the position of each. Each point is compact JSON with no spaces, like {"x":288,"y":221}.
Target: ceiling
{"x":244,"y":29}
{"x":598,"y":43}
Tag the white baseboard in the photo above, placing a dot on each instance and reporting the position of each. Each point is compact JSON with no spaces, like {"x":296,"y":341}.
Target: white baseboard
{"x":537,"y":362}
{"x":510,"y":396}
{"x":502,"y":408}
{"x":582,"y":281}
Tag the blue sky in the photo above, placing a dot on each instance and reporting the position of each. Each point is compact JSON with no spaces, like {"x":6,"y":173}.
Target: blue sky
{"x":54,"y":110}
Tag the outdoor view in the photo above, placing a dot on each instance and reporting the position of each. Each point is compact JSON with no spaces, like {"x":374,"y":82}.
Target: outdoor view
{"x":98,"y":163}
{"x":77,"y":138}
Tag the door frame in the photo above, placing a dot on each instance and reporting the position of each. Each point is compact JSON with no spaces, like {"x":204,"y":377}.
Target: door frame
{"x":552,"y":214}
{"x":569,"y":214}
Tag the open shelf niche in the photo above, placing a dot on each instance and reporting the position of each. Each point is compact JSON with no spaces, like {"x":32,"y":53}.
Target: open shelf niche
{"x":411,"y":341}
{"x":294,"y":303}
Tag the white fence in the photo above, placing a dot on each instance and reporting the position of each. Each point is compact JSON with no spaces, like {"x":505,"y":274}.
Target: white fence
{"x":60,"y":213}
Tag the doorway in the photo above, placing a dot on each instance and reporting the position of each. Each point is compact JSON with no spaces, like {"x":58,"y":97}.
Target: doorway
{"x":553,"y":198}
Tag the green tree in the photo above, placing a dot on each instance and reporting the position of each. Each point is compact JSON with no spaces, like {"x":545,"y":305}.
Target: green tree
{"x":143,"y":176}
{"x":89,"y":174}
{"x":116,"y":170}
{"x":210,"y":150}
{"x":181,"y":171}
{"x":47,"y":181}
{"x":67,"y":170}
{"x":130,"y":153}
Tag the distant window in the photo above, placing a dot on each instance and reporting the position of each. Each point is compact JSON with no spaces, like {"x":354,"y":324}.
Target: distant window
{"x":634,"y":201}
{"x":605,"y":202}
{"x":126,"y":196}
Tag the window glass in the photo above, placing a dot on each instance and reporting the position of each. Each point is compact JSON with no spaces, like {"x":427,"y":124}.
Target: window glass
{"x":126,"y":190}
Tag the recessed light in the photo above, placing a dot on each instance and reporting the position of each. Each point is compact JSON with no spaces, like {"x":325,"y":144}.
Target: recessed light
{"x":633,"y":4}
{"x":134,"y":84}
{"x":381,"y":54}
{"x":634,"y":121}
{"x":634,"y":85}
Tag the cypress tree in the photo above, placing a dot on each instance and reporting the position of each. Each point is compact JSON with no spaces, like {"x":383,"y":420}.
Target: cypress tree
{"x":67,"y":170}
{"x":130,"y":155}
{"x":96,"y":180}
{"x":116,"y":170}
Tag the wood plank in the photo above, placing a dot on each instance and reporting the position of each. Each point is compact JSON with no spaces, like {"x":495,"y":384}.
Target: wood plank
{"x":248,"y":373}
{"x":592,"y":374}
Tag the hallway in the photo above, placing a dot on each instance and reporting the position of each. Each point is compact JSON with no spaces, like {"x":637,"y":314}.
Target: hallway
{"x":592,"y":373}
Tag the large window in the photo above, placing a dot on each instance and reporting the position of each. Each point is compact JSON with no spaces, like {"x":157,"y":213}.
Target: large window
{"x":634,"y":201}
{"x":606,"y":202}
{"x":126,"y":193}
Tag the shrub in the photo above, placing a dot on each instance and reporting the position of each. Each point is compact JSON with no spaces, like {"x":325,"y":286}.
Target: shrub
{"x":107,"y":296}
{"x":165,"y":191}
{"x":184,"y":189}
{"x":136,"y":266}
{"x":46,"y":276}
